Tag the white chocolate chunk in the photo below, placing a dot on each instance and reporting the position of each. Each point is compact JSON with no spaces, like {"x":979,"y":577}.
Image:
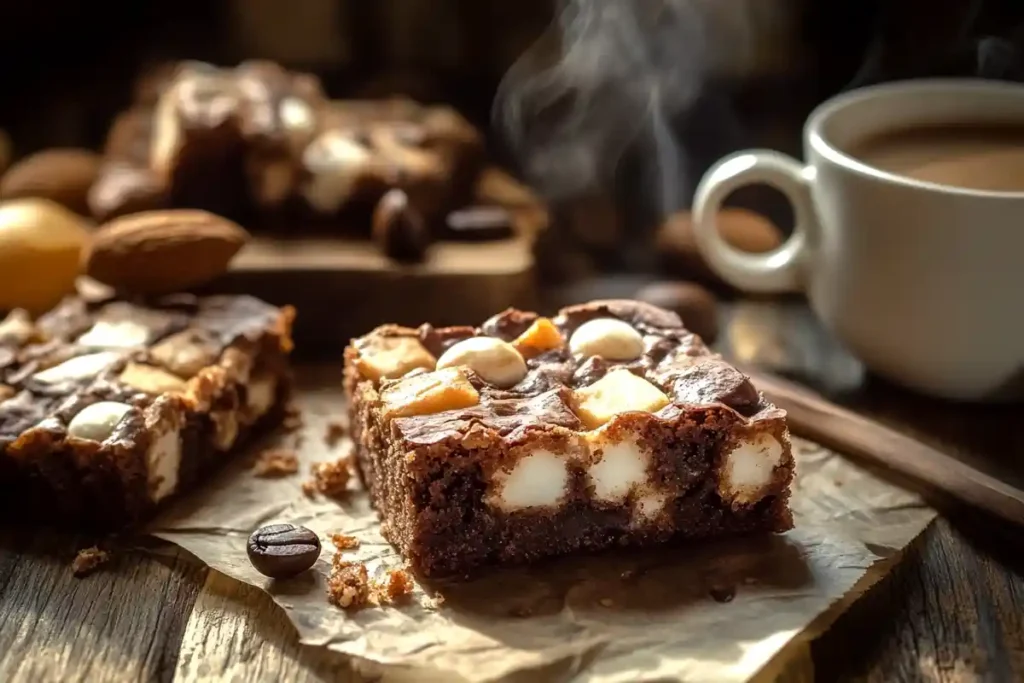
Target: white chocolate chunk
{"x":609,"y":338}
{"x":335,"y":162}
{"x":296,"y":115}
{"x":496,"y":361}
{"x":623,"y":466}
{"x":96,"y":422}
{"x":78,"y":368}
{"x":747,"y":470}
{"x":123,"y":334}
{"x":539,"y":479}
{"x":262,"y":392}
{"x":162,"y":463}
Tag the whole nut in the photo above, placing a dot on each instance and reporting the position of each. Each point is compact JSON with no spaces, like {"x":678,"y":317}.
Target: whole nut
{"x":609,"y":338}
{"x":156,"y":252}
{"x":741,"y":229}
{"x":97,"y":421}
{"x":694,"y":304}
{"x":281,"y":551}
{"x":62,"y":175}
{"x":496,"y":361}
{"x":399,"y":229}
{"x":40,"y":250}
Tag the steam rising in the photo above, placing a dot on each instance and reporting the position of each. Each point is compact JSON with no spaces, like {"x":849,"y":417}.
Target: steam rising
{"x":605,"y":74}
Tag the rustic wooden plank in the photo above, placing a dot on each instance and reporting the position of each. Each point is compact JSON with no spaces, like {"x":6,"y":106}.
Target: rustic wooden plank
{"x":236,"y":633}
{"x":953,"y":611}
{"x":123,"y":622}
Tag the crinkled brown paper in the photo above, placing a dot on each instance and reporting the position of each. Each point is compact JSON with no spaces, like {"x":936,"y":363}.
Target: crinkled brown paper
{"x":624,"y":616}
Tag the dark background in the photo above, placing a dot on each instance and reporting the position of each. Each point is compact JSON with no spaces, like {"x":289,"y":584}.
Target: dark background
{"x":69,"y":67}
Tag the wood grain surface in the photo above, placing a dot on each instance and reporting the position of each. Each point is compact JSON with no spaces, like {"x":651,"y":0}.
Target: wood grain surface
{"x":952,"y":610}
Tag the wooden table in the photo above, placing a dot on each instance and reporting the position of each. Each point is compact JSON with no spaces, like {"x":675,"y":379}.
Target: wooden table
{"x":953,"y":610}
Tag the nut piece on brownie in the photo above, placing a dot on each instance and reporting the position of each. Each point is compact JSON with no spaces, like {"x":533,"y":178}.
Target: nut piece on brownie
{"x":619,"y":391}
{"x":432,"y":392}
{"x":392,"y":357}
{"x":521,"y":445}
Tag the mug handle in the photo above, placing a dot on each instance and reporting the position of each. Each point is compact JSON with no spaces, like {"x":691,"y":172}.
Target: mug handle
{"x":773,"y":272}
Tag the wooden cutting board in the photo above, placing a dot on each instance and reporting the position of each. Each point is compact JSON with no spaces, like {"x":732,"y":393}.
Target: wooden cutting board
{"x":344,"y":286}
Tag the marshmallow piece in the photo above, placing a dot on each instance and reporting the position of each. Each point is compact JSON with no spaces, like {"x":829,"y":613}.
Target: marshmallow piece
{"x":609,"y":338}
{"x":496,"y":361}
{"x":335,"y":162}
{"x":162,"y":463}
{"x":122,"y":334}
{"x":747,"y":469}
{"x":96,"y":422}
{"x":431,"y":392}
{"x":648,"y":507}
{"x":78,"y":368}
{"x":261,"y":395}
{"x":620,"y":391}
{"x":539,"y":479}
{"x":622,"y":467}
{"x":392,"y":357}
{"x":540,"y":337}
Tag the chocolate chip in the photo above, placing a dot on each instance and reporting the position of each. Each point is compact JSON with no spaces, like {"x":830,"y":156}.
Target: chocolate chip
{"x":691,"y":302}
{"x":715,"y":381}
{"x":283,"y":550}
{"x":480,"y":223}
{"x":399,"y":229}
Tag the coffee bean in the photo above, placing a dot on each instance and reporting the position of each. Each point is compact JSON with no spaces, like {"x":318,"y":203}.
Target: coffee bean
{"x":283,"y":550}
{"x":480,"y":223}
{"x":691,"y":302}
{"x":399,"y":229}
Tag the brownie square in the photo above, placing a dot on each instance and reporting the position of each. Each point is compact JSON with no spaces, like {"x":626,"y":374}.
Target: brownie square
{"x":607,"y":425}
{"x":109,"y":408}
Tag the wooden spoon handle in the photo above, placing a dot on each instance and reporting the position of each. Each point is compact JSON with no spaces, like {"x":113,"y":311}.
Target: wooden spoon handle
{"x":846,"y":432}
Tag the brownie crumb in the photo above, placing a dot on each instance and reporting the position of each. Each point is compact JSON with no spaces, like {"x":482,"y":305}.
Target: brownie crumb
{"x":396,"y":586}
{"x":348,"y":585}
{"x":335,"y":432}
{"x":308,"y":489}
{"x":276,"y":462}
{"x":344,"y":541}
{"x":331,"y":478}
{"x":88,"y":560}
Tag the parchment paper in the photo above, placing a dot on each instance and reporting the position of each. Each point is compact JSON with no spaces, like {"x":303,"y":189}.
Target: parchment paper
{"x":622,"y":616}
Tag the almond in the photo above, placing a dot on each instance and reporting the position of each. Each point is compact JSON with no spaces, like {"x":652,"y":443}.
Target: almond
{"x":157,"y":252}
{"x":62,"y":175}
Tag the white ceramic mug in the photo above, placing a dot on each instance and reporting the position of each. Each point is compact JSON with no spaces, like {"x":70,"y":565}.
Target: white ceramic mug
{"x":923,"y":282}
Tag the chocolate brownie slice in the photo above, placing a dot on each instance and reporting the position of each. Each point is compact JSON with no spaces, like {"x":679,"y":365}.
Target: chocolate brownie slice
{"x":109,"y":408}
{"x":607,"y":425}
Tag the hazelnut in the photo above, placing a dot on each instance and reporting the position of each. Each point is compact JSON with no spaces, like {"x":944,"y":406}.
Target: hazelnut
{"x":694,"y":304}
{"x":609,"y":338}
{"x":40,"y":252}
{"x":399,"y":229}
{"x":97,"y":421}
{"x":496,"y":361}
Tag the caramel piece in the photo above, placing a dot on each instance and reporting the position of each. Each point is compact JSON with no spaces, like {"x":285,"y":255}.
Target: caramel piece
{"x":393,"y":357}
{"x":540,"y":337}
